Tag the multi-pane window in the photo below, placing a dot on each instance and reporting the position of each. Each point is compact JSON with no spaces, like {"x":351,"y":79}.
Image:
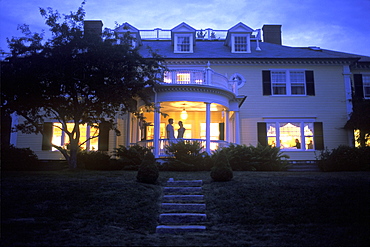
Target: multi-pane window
{"x":88,"y":136}
{"x":183,"y":43}
{"x":288,"y":82}
{"x":366,"y":85}
{"x":240,"y":43}
{"x":291,"y":135}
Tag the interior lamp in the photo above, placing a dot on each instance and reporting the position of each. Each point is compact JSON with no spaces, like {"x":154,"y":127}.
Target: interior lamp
{"x":184,"y":114}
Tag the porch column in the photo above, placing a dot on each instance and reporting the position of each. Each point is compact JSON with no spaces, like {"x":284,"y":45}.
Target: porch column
{"x":208,"y":127}
{"x":237,"y":128}
{"x":227,"y":126}
{"x":128,"y":130}
{"x":157,"y":123}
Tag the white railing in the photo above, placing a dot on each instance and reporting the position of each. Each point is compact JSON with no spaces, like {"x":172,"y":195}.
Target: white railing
{"x":214,"y":144}
{"x":165,"y":34}
{"x":199,"y":77}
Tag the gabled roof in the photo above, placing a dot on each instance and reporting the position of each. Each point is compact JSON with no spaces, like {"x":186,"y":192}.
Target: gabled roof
{"x":183,"y":28}
{"x":238,"y":28}
{"x":126,"y":27}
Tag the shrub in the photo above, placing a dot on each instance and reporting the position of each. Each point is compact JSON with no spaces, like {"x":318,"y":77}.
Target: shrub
{"x":188,"y":156}
{"x":260,"y":158}
{"x":344,"y":158}
{"x":132,"y":156}
{"x":221,"y":171}
{"x":18,"y":159}
{"x":148,"y":170}
{"x":93,"y":160}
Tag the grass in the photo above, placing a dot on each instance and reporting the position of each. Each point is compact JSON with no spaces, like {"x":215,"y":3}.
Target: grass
{"x":87,"y":208}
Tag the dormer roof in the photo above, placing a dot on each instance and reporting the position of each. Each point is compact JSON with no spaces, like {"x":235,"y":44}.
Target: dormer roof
{"x":126,"y":27}
{"x":183,"y":28}
{"x":238,"y":28}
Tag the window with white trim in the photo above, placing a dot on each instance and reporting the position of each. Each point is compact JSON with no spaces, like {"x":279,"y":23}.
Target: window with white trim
{"x":60,"y":138}
{"x":291,"y":135}
{"x":366,"y":85}
{"x":240,"y":43}
{"x":288,"y":82}
{"x":183,"y":43}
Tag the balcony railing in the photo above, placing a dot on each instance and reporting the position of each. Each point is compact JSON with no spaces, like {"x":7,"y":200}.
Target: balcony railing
{"x":214,"y":144}
{"x":199,"y":77}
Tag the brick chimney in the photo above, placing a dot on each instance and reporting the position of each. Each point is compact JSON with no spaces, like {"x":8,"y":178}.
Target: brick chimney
{"x":93,"y":27}
{"x":272,"y":34}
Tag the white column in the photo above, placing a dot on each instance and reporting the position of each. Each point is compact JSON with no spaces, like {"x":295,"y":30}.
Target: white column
{"x":157,"y":124}
{"x":128,"y":130}
{"x":348,"y":88}
{"x":208,"y":127}
{"x":237,"y":128}
{"x":227,"y":126}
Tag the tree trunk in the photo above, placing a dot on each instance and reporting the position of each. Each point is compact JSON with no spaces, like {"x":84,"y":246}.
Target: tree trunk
{"x":73,"y":149}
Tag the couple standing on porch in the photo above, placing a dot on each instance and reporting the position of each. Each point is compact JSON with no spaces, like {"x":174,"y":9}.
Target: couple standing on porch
{"x":170,"y":130}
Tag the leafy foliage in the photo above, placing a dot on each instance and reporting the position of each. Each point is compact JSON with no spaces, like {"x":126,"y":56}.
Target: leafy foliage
{"x":132,"y":156}
{"x":360,"y":120}
{"x":188,"y":156}
{"x":73,"y":77}
{"x":93,"y":160}
{"x":148,"y":171}
{"x":260,"y":158}
{"x":221,"y":171}
{"x":345,"y":158}
{"x":18,"y":159}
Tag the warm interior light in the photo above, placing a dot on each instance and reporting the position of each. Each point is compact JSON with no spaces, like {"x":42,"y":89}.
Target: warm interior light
{"x":184,"y":114}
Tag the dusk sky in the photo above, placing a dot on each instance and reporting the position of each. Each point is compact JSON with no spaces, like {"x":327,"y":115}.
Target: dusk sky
{"x":339,"y":25}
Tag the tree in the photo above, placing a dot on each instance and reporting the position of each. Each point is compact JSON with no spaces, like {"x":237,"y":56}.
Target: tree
{"x":83,"y":78}
{"x":360,"y":120}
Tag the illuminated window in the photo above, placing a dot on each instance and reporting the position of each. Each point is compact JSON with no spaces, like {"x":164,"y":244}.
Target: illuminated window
{"x":290,"y":135}
{"x":215,"y":131}
{"x":183,"y":78}
{"x":60,"y":138}
{"x":288,"y":82}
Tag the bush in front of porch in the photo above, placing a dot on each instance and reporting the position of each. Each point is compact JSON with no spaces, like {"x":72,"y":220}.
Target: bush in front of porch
{"x":188,"y":156}
{"x":131,"y":157}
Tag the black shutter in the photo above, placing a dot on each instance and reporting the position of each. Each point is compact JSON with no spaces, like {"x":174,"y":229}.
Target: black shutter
{"x":359,"y":89}
{"x":318,"y":136}
{"x":47,"y":135}
{"x":104,"y":128}
{"x":310,"y":84}
{"x":262,"y":133}
{"x":221,"y":127}
{"x":266,"y":82}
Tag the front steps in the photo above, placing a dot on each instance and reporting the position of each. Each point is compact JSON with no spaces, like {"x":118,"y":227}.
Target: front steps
{"x":183,"y":207}
{"x":303,"y":168}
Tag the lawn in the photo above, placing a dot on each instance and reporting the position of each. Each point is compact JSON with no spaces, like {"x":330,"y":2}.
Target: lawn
{"x":56,"y":208}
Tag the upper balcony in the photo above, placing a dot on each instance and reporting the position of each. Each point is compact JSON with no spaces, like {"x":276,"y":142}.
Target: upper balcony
{"x":206,"y":77}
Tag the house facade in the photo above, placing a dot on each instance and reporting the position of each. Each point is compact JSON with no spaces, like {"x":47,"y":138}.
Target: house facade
{"x":240,"y":86}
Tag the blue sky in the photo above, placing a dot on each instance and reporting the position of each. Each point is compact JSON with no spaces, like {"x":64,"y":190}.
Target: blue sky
{"x":339,"y":25}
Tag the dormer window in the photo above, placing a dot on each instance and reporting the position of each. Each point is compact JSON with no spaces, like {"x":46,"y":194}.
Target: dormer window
{"x":240,"y":43}
{"x":239,"y":38}
{"x":183,"y":43}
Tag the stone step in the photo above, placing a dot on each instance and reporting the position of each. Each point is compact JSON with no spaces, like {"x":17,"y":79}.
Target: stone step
{"x":183,"y":198}
{"x":303,"y":168}
{"x":180,"y":218}
{"x":179,"y":229}
{"x":181,"y":190}
{"x":183,"y":183}
{"x":180,"y":207}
